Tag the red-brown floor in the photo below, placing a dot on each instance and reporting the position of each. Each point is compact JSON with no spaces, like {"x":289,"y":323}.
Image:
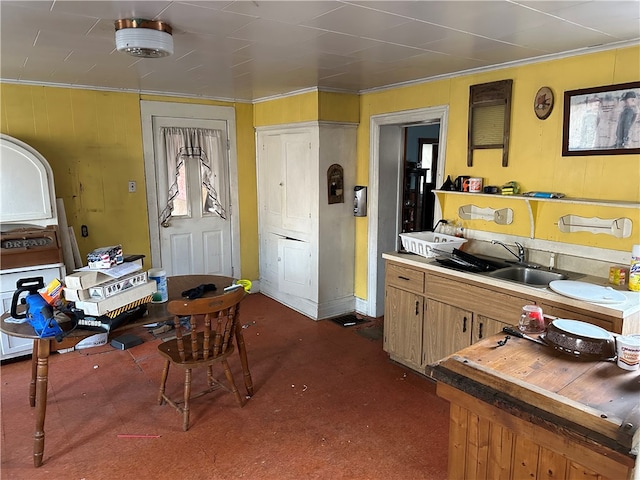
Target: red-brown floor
{"x":328,"y":404}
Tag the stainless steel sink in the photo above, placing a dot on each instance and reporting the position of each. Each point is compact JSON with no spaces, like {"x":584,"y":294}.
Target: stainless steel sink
{"x":527,"y":276}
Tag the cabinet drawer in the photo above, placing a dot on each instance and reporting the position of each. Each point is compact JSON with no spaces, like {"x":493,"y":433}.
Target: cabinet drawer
{"x":8,"y":280}
{"x":405,"y":278}
{"x":571,"y":315}
{"x":482,"y":301}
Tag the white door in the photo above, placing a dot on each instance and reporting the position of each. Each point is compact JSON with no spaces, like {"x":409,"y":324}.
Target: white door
{"x":194,"y":240}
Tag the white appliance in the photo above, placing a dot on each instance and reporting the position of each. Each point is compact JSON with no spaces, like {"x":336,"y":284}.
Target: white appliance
{"x":27,"y":205}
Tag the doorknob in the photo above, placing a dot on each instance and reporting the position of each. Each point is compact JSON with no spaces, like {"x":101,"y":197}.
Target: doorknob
{"x":166,"y":224}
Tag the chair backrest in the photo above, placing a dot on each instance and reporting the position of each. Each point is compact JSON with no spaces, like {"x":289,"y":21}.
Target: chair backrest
{"x":213,"y":322}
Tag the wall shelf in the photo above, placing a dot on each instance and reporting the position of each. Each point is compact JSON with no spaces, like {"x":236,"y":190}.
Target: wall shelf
{"x":529,"y":201}
{"x":566,"y":200}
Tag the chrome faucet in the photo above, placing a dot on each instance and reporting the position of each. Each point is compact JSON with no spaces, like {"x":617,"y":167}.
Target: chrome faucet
{"x":519,"y":255}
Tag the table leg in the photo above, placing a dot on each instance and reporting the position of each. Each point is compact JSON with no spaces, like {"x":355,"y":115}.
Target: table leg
{"x":34,"y":365}
{"x":243,"y":359}
{"x":42,"y":372}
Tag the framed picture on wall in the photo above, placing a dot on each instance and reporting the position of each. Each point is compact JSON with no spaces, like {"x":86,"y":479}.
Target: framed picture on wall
{"x":602,"y":120}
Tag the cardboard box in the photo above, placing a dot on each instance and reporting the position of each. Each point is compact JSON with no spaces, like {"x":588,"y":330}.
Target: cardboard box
{"x":117,"y":303}
{"x":115,"y":286}
{"x":76,"y":295}
{"x":105,"y":257}
{"x":52,"y":293}
{"x":85,"y":279}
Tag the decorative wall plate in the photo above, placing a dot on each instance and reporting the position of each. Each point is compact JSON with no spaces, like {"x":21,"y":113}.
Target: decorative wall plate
{"x":543,"y":103}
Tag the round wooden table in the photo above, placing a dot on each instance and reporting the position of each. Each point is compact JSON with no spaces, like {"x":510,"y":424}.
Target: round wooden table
{"x":157,"y":312}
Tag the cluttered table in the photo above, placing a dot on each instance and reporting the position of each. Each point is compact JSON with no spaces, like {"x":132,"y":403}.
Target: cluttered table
{"x":521,"y":410}
{"x":156,"y":313}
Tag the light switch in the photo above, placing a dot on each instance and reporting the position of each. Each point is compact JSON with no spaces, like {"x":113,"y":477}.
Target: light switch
{"x":132,"y":186}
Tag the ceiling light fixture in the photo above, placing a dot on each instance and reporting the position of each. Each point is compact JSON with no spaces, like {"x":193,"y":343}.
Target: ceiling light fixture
{"x":144,"y":38}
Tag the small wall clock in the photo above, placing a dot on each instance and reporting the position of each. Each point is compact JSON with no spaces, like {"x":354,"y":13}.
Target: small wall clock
{"x":543,"y":103}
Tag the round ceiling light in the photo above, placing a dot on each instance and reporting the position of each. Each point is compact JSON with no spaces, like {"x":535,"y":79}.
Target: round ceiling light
{"x":144,"y":38}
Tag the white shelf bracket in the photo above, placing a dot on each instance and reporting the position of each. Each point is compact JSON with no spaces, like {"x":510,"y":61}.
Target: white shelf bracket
{"x":617,"y":227}
{"x":502,"y":216}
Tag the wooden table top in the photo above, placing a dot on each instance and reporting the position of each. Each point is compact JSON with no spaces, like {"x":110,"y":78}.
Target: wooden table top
{"x":157,"y":312}
{"x":594,"y":395}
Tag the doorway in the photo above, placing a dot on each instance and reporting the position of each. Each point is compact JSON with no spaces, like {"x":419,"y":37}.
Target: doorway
{"x":386,"y":162}
{"x":192,"y":240}
{"x":419,"y":177}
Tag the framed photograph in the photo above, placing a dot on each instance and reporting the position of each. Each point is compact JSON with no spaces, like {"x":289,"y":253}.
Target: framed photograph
{"x":602,"y":120}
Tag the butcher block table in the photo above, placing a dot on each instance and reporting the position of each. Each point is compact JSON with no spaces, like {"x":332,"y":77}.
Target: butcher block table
{"x":524,"y":410}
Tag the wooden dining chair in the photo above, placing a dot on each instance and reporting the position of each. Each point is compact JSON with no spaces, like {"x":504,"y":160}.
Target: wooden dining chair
{"x":212,"y":324}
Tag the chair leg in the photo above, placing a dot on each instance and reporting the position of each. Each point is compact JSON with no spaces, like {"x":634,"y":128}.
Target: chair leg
{"x":163,"y":381}
{"x":187,"y":394}
{"x":210,"y":375}
{"x":232,"y":384}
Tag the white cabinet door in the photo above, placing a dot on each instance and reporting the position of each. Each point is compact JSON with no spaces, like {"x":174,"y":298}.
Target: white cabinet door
{"x":294,"y":267}
{"x":286,"y":190}
{"x":298,"y":190}
{"x":271,"y":181}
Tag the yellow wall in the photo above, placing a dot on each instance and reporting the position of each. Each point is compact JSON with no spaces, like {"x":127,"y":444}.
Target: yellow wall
{"x":308,"y":107}
{"x":93,"y":141}
{"x":289,"y":109}
{"x":535,"y":153}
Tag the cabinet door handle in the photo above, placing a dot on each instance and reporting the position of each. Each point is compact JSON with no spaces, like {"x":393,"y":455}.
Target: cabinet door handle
{"x":480,"y":330}
{"x":417,"y":305}
{"x":464,"y":324}
{"x":403,"y":278}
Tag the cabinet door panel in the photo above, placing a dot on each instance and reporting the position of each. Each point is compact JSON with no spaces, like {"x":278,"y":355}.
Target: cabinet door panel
{"x":271,"y":181}
{"x":447,"y":329}
{"x":403,"y":325}
{"x":297,"y":183}
{"x":294,"y":267}
{"x":484,"y":327}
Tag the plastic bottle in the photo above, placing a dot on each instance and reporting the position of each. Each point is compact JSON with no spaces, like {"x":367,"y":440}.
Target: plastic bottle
{"x":634,"y":269}
{"x":160,"y":277}
{"x":459,"y":232}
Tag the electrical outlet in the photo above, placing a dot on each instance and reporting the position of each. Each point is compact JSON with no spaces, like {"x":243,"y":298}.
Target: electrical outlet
{"x":132,"y":186}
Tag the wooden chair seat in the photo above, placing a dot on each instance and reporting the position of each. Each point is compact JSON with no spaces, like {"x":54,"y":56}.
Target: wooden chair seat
{"x":212,"y":323}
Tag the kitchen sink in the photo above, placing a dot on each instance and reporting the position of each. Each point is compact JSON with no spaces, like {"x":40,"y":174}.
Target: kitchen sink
{"x":528,"y":276}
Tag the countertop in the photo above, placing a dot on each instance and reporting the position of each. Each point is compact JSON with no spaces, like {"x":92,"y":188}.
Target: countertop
{"x":618,"y":310}
{"x":596,"y":400}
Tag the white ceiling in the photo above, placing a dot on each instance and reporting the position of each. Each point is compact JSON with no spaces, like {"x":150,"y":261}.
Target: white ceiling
{"x":249,"y":50}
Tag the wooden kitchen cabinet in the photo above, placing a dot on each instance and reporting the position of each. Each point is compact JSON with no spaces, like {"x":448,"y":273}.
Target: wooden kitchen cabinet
{"x":428,"y":317}
{"x":447,"y":330}
{"x":420,"y":330}
{"x":403,"y":326}
{"x":460,"y":311}
{"x":542,"y":414}
{"x":484,"y":327}
{"x":404,"y":314}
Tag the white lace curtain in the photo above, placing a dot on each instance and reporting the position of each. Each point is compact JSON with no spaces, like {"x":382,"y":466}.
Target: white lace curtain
{"x":203,"y":145}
